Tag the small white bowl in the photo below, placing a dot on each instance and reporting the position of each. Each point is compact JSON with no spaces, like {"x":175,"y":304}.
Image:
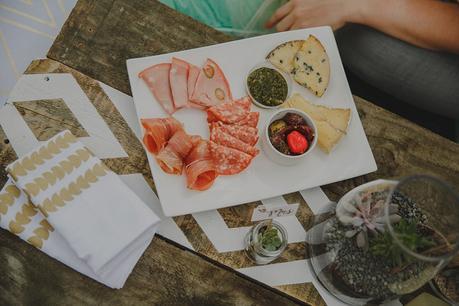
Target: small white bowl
{"x":284,"y":75}
{"x":273,"y":153}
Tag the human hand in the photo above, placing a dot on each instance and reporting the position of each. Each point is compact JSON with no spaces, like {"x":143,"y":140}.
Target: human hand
{"x":298,"y":14}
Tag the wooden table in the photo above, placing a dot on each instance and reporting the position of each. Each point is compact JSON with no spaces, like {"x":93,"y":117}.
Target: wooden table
{"x":93,"y":45}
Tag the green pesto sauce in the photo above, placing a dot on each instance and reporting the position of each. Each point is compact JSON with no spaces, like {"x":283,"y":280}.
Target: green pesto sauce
{"x":267,"y":86}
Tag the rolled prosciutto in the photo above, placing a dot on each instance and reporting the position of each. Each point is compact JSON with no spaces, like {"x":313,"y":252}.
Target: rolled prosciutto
{"x":200,"y":169}
{"x":158,"y":131}
{"x":171,"y":157}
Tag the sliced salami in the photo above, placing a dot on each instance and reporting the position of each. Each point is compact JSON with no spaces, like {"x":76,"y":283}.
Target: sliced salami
{"x":231,"y":112}
{"x":251,"y":120}
{"x":220,"y":137}
{"x":229,"y":161}
{"x":246,"y":133}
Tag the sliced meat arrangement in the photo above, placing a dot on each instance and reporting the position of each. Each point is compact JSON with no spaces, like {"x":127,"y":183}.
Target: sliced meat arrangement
{"x":233,"y":127}
{"x":181,"y":84}
{"x":157,"y":79}
{"x":211,"y":87}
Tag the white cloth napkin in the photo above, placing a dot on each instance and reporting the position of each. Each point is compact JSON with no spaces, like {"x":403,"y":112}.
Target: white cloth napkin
{"x":21,"y":218}
{"x":100,"y":218}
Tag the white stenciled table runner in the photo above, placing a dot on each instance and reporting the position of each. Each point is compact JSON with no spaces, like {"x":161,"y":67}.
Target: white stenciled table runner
{"x":225,"y":239}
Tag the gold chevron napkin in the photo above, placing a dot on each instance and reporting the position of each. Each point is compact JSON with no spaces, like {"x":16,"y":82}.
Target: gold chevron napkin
{"x":23,"y":219}
{"x":100,"y":218}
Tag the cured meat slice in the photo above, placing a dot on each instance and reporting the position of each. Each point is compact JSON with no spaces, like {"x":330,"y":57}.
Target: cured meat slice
{"x":158,"y":131}
{"x":181,"y":143}
{"x":170,"y":161}
{"x":231,"y":112}
{"x":201,"y":174}
{"x":178,"y":77}
{"x":250,"y":120}
{"x":193,"y":73}
{"x":245,"y":102}
{"x":218,"y":136}
{"x":227,"y":160}
{"x":200,"y":170}
{"x":211,"y":87}
{"x":157,"y":79}
{"x":246,"y":133}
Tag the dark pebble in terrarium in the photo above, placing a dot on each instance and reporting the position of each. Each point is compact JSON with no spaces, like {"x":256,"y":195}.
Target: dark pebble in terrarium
{"x":360,"y":270}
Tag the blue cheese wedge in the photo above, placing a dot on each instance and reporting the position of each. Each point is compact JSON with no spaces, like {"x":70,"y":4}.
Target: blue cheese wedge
{"x":282,"y":56}
{"x":312,"y":66}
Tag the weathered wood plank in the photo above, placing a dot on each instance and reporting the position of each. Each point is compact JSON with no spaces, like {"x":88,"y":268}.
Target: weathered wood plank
{"x":165,"y":275}
{"x":105,"y":33}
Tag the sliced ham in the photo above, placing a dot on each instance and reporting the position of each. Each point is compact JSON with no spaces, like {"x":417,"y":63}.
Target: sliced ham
{"x":157,"y":79}
{"x":178,"y":77}
{"x":246,"y":133}
{"x":227,"y":160}
{"x":211,"y":87}
{"x":158,"y":131}
{"x":200,"y":170}
{"x":231,"y":112}
{"x":193,"y":73}
{"x":220,"y":137}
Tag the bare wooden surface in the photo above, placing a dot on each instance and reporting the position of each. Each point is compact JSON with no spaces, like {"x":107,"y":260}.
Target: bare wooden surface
{"x":100,"y":35}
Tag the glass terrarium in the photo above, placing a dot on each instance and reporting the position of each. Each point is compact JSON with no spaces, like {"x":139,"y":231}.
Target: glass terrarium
{"x":385,"y":239}
{"x":266,"y":241}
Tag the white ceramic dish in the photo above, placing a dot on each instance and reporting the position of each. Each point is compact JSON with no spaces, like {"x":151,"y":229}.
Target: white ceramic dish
{"x":286,"y":77}
{"x":263,"y":178}
{"x":277,"y":156}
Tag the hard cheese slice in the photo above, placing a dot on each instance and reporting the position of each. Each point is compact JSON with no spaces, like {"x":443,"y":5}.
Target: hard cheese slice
{"x":282,"y":56}
{"x":312,"y":66}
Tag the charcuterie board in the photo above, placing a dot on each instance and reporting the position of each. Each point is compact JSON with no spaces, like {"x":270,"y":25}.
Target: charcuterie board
{"x":263,"y":178}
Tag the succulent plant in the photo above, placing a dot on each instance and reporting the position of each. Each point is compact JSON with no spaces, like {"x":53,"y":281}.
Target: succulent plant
{"x":364,"y":213}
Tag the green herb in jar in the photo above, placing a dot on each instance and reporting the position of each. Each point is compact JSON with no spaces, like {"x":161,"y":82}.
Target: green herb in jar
{"x":267,"y":86}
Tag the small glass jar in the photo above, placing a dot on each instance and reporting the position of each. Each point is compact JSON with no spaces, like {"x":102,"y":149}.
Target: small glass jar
{"x":254,"y":247}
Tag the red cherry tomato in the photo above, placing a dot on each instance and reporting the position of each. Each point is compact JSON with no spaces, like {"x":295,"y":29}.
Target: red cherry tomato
{"x":297,"y":143}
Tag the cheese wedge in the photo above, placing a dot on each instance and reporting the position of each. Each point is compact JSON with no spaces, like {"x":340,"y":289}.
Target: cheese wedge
{"x":312,"y":66}
{"x":282,"y":56}
{"x":328,"y":136}
{"x":331,"y":123}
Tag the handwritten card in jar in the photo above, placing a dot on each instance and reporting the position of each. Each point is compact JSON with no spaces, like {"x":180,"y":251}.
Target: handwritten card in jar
{"x":263,"y":212}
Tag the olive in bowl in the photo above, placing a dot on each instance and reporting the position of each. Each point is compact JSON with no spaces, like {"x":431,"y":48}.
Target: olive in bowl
{"x":289,"y":136}
{"x":268,"y":86}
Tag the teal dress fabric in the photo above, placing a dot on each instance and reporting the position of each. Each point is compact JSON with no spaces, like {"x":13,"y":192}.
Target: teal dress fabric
{"x":241,"y":18}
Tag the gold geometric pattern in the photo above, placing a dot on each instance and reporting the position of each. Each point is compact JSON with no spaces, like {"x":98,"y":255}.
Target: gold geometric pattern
{"x":41,"y":233}
{"x":67,"y":194}
{"x":46,"y":152}
{"x":7,"y":198}
{"x":57,"y":172}
{"x":22,"y":218}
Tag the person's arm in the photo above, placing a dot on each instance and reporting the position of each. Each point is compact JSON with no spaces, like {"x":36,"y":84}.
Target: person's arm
{"x":426,"y":23}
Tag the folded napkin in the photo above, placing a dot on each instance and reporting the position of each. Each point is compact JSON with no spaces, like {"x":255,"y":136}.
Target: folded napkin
{"x":106,"y":225}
